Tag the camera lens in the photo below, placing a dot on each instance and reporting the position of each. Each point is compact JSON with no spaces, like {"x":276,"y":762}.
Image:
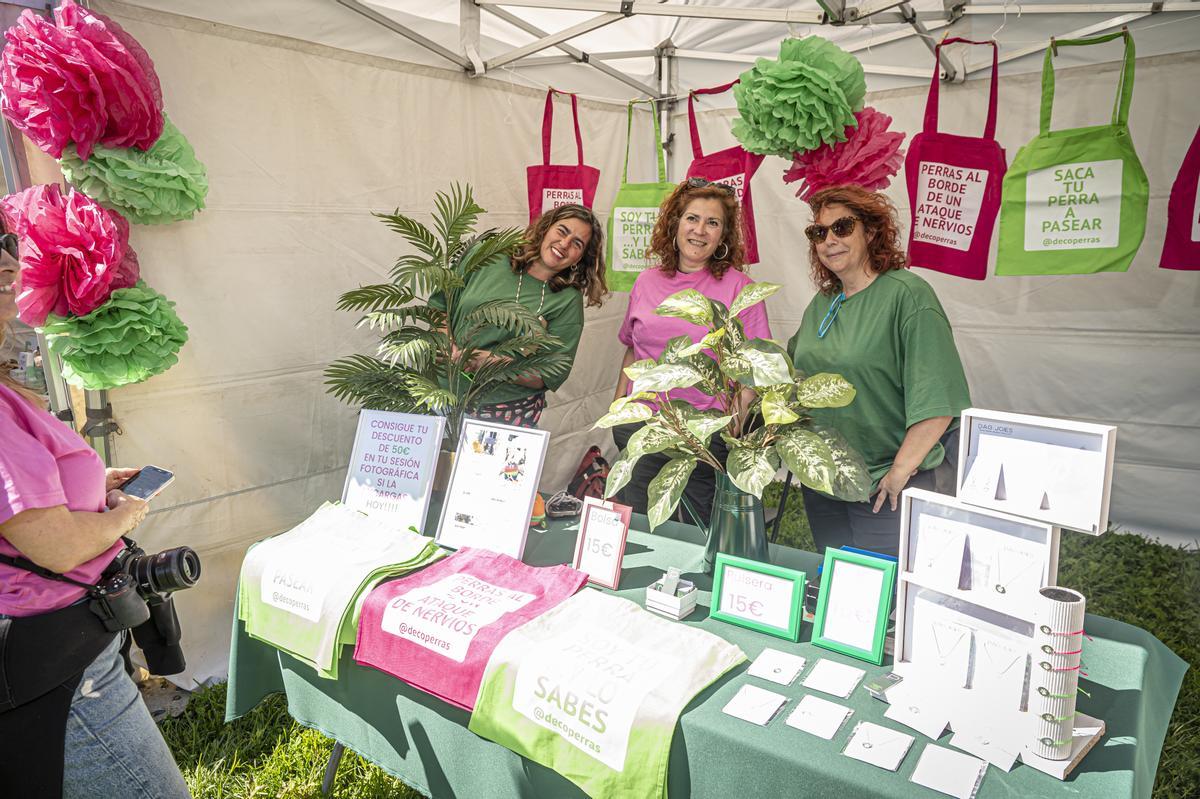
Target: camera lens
{"x":167,"y":571}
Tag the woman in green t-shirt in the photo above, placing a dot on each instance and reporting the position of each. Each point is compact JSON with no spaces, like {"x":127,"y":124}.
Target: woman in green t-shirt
{"x":881,"y":327}
{"x":556,"y":273}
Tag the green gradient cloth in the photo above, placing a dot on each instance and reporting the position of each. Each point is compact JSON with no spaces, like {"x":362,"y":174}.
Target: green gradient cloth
{"x":166,"y":183}
{"x":593,"y":689}
{"x":1133,"y":681}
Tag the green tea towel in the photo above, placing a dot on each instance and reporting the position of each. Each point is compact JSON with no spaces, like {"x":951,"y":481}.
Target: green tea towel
{"x":593,"y":689}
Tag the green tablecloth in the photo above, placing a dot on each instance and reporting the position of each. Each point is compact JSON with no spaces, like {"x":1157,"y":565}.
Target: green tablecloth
{"x":1133,"y":680}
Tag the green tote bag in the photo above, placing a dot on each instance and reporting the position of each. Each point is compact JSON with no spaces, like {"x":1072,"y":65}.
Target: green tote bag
{"x":1074,"y":201}
{"x":634,"y":212}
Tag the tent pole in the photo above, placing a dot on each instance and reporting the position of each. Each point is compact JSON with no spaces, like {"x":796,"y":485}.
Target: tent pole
{"x":668,"y":81}
{"x":468,"y":35}
{"x":574,"y":52}
{"x":408,"y":33}
{"x":948,"y":70}
{"x":553,"y":39}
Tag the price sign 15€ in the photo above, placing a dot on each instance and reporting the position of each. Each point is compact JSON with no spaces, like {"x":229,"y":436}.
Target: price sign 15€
{"x":601,"y":544}
{"x":760,"y":596}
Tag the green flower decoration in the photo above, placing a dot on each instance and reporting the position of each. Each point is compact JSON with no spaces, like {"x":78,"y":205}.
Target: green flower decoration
{"x":150,"y":187}
{"x":805,"y":98}
{"x":130,"y":338}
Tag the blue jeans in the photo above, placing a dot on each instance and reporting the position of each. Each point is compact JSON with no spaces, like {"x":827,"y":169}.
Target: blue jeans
{"x":113,"y":747}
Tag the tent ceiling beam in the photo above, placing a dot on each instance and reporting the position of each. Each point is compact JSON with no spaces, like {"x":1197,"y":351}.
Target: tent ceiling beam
{"x":579,"y":55}
{"x":1090,"y":30}
{"x":948,"y":70}
{"x":407,"y":33}
{"x":651,"y":9}
{"x":616,"y":55}
{"x":870,"y":69}
{"x":553,"y":39}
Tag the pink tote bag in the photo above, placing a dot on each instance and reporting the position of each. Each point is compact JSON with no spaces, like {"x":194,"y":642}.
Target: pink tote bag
{"x":552,"y":185}
{"x":1181,"y":250}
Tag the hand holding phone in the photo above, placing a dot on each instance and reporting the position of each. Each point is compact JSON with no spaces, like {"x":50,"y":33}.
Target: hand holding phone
{"x":147,"y":483}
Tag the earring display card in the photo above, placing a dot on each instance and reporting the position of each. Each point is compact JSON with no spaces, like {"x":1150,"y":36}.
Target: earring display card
{"x":755,"y":705}
{"x":833,"y":678}
{"x":778,"y":667}
{"x":949,"y":772}
{"x":1055,"y":470}
{"x":878,"y":745}
{"x":918,"y":707}
{"x":819,"y":717}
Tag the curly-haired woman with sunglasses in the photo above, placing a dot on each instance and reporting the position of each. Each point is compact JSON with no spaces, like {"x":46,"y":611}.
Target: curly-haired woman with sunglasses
{"x":882,"y":327}
{"x":697,"y":242}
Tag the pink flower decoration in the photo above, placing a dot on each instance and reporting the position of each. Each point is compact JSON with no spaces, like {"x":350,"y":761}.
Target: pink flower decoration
{"x":71,"y":251}
{"x":869,"y":157}
{"x":128,"y":271}
{"x":82,"y":82}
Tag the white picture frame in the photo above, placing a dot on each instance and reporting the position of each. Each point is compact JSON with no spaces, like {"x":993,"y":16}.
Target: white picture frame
{"x":1055,"y":470}
{"x":392,"y":465}
{"x":490,"y":498}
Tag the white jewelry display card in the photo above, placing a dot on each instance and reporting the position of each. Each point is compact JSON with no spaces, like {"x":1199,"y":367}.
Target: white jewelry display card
{"x":819,"y":717}
{"x":949,"y":772}
{"x":392,"y":465}
{"x":1055,"y":470}
{"x":778,"y":667}
{"x":918,"y":707}
{"x":496,"y":473}
{"x":940,"y":546}
{"x":755,"y":705}
{"x":943,"y":647}
{"x":999,"y":671}
{"x":834,"y":678}
{"x":878,"y":746}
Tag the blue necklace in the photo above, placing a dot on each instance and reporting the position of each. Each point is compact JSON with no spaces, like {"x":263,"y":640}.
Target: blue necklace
{"x":831,"y":314}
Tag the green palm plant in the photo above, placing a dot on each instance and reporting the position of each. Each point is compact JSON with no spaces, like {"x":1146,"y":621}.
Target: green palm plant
{"x":421,"y":365}
{"x":818,"y":455}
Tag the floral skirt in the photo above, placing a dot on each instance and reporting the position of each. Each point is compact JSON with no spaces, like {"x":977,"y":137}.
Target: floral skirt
{"x":525,"y":412}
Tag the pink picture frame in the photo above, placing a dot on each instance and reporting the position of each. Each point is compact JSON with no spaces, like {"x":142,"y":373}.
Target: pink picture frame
{"x":600,"y":546}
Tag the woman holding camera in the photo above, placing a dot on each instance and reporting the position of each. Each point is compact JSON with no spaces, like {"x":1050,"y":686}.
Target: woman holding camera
{"x":72,"y":721}
{"x":697,"y":241}
{"x":881,"y":327}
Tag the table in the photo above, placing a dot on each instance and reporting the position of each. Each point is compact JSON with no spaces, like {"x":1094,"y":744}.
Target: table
{"x":1133,"y":680}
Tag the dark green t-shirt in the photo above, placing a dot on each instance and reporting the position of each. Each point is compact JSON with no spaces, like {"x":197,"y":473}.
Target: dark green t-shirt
{"x":562,"y":310}
{"x":892,"y":341}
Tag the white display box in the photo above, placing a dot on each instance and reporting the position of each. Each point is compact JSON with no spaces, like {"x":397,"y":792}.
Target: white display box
{"x":1055,"y":470}
{"x":676,"y":607}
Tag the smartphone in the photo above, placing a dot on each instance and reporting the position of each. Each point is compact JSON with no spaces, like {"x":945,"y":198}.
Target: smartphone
{"x":147,"y":483}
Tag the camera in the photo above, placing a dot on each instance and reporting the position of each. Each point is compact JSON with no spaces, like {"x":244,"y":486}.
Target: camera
{"x":135,"y":594}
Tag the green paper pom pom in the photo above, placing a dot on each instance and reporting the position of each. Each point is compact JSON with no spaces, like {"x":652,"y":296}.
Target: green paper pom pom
{"x":805,"y":98}
{"x":135,"y":335}
{"x":163,"y":184}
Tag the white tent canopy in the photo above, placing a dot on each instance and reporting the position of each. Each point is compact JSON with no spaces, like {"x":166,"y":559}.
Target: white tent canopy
{"x":310,"y":115}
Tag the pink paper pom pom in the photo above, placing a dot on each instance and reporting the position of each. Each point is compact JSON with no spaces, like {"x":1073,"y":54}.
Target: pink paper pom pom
{"x":84,"y":81}
{"x":71,"y":248}
{"x":869,"y":157}
{"x":129,"y":270}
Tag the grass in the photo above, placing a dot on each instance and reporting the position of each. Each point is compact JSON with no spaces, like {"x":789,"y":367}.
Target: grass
{"x":1124,"y":577}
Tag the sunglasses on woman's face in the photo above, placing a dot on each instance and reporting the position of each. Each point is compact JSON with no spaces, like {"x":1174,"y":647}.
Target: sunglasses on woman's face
{"x":700,"y":183}
{"x":8,"y":243}
{"x":841,"y":228}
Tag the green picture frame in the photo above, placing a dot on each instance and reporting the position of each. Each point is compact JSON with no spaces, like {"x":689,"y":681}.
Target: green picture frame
{"x":747,"y":593}
{"x":854,"y":633}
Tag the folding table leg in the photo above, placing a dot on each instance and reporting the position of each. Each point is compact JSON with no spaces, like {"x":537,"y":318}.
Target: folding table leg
{"x":335,"y":758}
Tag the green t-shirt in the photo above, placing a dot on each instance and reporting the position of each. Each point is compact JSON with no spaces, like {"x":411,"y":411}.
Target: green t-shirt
{"x":892,"y":341}
{"x":562,"y":310}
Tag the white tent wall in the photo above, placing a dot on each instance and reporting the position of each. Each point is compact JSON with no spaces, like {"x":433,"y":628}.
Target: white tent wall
{"x":302,"y":143}
{"x":1120,"y":349}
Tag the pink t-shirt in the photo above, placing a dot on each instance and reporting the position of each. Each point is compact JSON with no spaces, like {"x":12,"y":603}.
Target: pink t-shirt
{"x":43,"y":463}
{"x":648,"y":333}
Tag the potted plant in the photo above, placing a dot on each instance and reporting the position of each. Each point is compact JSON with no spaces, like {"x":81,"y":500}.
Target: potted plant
{"x":722,"y":365}
{"x":421,"y":365}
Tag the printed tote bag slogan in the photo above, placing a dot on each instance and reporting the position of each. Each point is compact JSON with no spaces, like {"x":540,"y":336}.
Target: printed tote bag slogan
{"x":593,"y":689}
{"x":1074,"y":201}
{"x":436,"y":629}
{"x":954,"y":187}
{"x":1181,"y":250}
{"x":302,"y":591}
{"x":732,"y":166}
{"x":552,"y":185}
{"x":634,"y":212}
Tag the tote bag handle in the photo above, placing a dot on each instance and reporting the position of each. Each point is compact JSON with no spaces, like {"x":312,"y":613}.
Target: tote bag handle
{"x":1120,"y":115}
{"x":697,"y":151}
{"x":662,"y":163}
{"x":548,"y":125}
{"x":931,"y":106}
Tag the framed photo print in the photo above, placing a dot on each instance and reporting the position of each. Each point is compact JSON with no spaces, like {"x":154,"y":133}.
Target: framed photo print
{"x":600,"y":547}
{"x":852,"y":609}
{"x":760,"y":596}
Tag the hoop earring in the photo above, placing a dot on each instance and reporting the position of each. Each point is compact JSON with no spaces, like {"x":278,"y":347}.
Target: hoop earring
{"x":722,"y":257}
{"x":675,"y":244}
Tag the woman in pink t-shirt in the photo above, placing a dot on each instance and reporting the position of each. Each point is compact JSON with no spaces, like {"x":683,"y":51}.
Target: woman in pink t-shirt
{"x":697,"y":241}
{"x":71,"y":720}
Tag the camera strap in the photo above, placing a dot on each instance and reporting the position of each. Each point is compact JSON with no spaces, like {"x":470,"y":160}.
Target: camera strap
{"x":30,"y":566}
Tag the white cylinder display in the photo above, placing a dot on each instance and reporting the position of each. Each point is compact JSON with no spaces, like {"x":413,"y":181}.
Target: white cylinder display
{"x":1054,"y":679}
